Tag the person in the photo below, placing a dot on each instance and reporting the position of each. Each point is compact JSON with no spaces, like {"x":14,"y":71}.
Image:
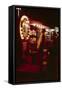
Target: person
{"x":33,"y":46}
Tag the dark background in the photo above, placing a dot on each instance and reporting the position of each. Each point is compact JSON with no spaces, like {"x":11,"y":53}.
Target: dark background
{"x":49,"y":17}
